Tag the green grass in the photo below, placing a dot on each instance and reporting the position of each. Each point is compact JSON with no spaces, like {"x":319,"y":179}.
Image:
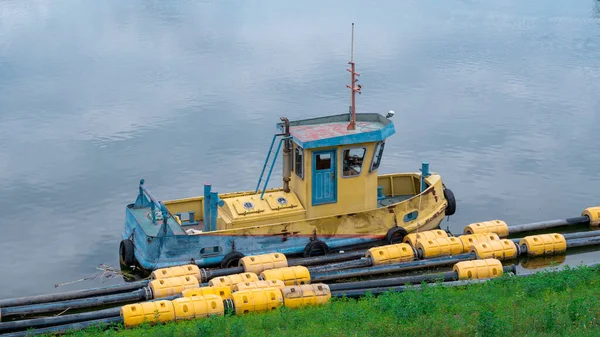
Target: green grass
{"x":560,"y":303}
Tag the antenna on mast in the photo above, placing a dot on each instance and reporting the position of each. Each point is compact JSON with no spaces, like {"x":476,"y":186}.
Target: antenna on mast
{"x":353,"y":89}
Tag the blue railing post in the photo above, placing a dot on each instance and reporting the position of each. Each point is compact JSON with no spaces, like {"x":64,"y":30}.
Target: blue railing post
{"x":424,"y":174}
{"x":207,"y":217}
{"x":266,"y":162}
{"x":141,"y":201}
{"x":141,"y":189}
{"x":214,"y":203}
{"x":164,"y":211}
{"x":272,"y":165}
{"x":380,"y":195}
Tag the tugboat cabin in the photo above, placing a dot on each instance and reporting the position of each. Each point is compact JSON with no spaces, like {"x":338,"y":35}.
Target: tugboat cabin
{"x":335,"y":169}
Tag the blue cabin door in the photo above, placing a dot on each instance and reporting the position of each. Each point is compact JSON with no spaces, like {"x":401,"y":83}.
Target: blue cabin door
{"x":324,"y":177}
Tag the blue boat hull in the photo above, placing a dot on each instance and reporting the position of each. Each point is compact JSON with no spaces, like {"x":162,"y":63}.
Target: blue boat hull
{"x":207,"y":250}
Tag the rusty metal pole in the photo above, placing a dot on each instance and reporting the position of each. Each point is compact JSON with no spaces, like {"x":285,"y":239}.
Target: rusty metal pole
{"x":287,"y":172}
{"x":353,"y":89}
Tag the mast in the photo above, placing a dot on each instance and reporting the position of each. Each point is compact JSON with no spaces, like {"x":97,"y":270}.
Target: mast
{"x":353,"y":89}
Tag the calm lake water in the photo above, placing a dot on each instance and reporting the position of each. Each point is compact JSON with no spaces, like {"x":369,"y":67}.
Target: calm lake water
{"x":501,"y":97}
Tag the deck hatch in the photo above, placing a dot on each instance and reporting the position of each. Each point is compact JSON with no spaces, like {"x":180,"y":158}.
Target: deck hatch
{"x":247,"y":207}
{"x":278,"y":202}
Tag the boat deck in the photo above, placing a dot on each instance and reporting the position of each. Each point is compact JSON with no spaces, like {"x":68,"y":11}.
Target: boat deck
{"x":143,"y":217}
{"x":393,"y":200}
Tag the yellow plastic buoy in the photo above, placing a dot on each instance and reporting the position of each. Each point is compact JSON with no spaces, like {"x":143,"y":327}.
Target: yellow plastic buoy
{"x":391,"y":254}
{"x":223,"y":291}
{"x":439,"y":247}
{"x":544,"y":244}
{"x":498,"y":249}
{"x":493,"y":226}
{"x":186,"y":270}
{"x":594,"y":214}
{"x":412,"y":238}
{"x":151,"y":312}
{"x":256,"y":300}
{"x":306,"y":294}
{"x":196,"y":307}
{"x":230,"y":280}
{"x":259,"y":263}
{"x":289,"y":275}
{"x":472,"y":239}
{"x":259,"y":285}
{"x":172,"y":286}
{"x":478,"y":269}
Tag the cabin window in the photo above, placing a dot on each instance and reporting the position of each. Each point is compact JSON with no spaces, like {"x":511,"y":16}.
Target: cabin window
{"x":353,"y":161}
{"x":323,"y":161}
{"x":299,"y":162}
{"x":377,"y":156}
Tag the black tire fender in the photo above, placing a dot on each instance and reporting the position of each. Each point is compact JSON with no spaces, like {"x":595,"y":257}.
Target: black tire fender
{"x":232,"y":259}
{"x":315,"y":248}
{"x":449,"y":196}
{"x":395,"y":235}
{"x":126,"y":253}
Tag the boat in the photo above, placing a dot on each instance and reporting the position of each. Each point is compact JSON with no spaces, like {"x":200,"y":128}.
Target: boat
{"x":332,"y":197}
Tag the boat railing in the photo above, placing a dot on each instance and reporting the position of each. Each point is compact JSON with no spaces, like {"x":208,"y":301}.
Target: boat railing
{"x":266,"y":181}
{"x":145,"y":199}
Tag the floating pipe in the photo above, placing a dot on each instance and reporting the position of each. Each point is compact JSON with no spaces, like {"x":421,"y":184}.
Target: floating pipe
{"x":208,"y":274}
{"x":322,"y":261}
{"x":66,"y":327}
{"x":351,"y":293}
{"x":316,"y":260}
{"x":394,"y":281}
{"x":583,"y":242}
{"x":391,"y":268}
{"x":349,"y":260}
{"x":503,"y":230}
{"x":355,"y":293}
{"x":57,"y":320}
{"x":363,"y":262}
{"x":534,"y":226}
{"x":398,"y":281}
{"x":67,"y":319}
{"x":71,"y":295}
{"x":141,"y":294}
{"x":571,"y":236}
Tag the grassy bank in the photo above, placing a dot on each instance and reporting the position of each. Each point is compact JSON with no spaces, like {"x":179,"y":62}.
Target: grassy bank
{"x":556,"y":303}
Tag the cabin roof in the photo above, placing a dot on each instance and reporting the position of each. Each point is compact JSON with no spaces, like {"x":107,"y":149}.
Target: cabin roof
{"x":331,"y":130}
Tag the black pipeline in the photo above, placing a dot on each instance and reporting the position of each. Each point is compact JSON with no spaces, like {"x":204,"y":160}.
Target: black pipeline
{"x":391,"y":268}
{"x":386,"y":283}
{"x":570,"y":236}
{"x":71,"y":295}
{"x":207,"y":274}
{"x":66,"y":319}
{"x":141,"y":294}
{"x":356,"y":293}
{"x":66,"y":327}
{"x":503,"y":230}
{"x":572,"y":240}
{"x":535,"y":226}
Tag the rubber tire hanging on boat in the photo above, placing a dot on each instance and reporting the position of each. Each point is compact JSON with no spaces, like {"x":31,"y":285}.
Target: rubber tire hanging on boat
{"x":126,"y":254}
{"x":451,"y":208}
{"x":395,"y":235}
{"x":232,"y":259}
{"x":316,"y":248}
